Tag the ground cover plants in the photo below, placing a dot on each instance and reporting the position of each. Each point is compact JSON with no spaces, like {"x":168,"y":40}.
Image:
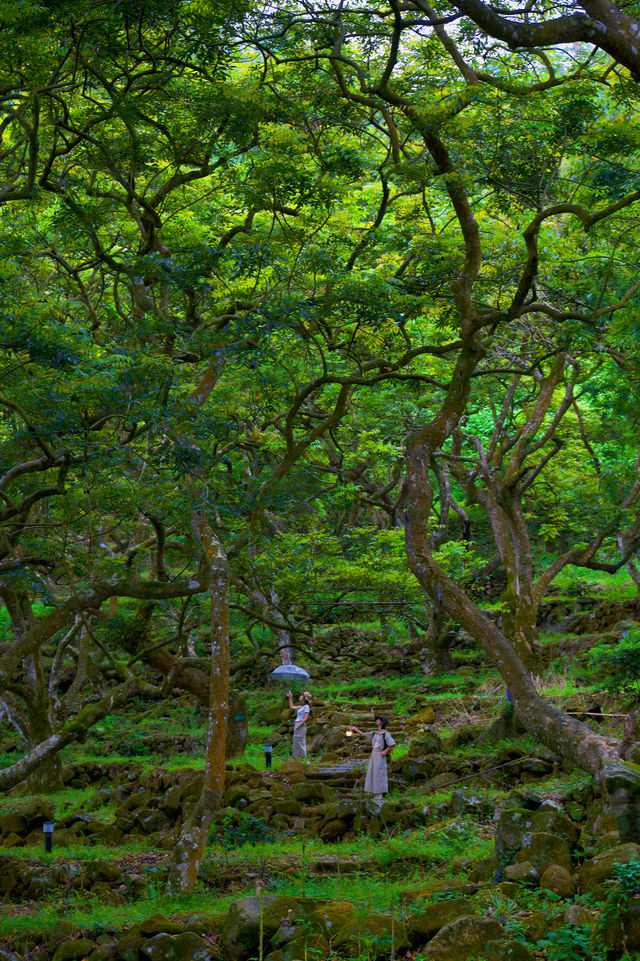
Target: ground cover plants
{"x":394,"y":868}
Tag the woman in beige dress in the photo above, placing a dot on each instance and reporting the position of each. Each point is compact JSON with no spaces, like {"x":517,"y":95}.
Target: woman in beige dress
{"x":299,"y":746}
{"x":376,"y":781}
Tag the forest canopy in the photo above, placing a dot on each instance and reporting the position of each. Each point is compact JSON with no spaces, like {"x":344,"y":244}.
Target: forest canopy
{"x":307,"y":310}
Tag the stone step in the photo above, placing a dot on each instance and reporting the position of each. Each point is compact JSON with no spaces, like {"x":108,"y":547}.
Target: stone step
{"x":340,"y":767}
{"x":363,"y":706}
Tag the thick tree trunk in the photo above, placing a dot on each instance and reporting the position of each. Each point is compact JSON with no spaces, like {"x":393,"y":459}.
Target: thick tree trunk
{"x":562,"y":733}
{"x":47,"y":777}
{"x":569,"y":738}
{"x":566,"y":736}
{"x":183,"y":871}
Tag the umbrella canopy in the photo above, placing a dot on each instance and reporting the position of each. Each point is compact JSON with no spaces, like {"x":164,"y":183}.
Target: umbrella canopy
{"x":290,"y":672}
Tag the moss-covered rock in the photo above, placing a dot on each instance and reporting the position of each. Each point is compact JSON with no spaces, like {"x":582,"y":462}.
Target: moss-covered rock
{"x":102,"y":870}
{"x":106,"y":894}
{"x":602,"y":868}
{"x":427,"y":922}
{"x":513,"y":824}
{"x":459,"y":887}
{"x":301,"y":949}
{"x":549,"y":819}
{"x":129,"y":946}
{"x":373,"y":936}
{"x":413,"y":769}
{"x":311,"y":792}
{"x":506,"y":950}
{"x":37,"y":810}
{"x":101,"y":953}
{"x":516,"y":824}
{"x":558,"y":880}
{"x":293,"y":767}
{"x":485,"y":870}
{"x":241,"y":931}
{"x":333,"y":829}
{"x":332,"y":916}
{"x":622,"y":783}
{"x":463,"y":939}
{"x":158,"y":924}
{"x":286,"y":807}
{"x":187,"y":946}
{"x":522,"y":873}
{"x":535,"y":925}
{"x":13,"y":823}
{"x":543,"y":850}
{"x":74,"y":949}
{"x":12,"y":841}
{"x":426,"y":715}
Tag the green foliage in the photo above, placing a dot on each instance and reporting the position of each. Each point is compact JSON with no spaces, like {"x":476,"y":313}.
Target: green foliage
{"x":571,"y":942}
{"x":618,"y":665}
{"x":620,"y":897}
{"x":237,"y":830}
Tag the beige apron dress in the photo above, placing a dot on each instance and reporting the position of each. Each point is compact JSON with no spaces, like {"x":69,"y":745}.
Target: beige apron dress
{"x":376,"y":781}
{"x":299,"y":747}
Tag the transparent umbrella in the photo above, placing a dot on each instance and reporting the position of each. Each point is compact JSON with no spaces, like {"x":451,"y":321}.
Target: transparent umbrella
{"x":290,"y":673}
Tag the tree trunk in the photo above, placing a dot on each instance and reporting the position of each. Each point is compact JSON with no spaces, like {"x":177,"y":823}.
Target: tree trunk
{"x":46,"y":778}
{"x":629,"y":734}
{"x":183,"y":870}
{"x":282,"y":634}
{"x":435,"y":655}
{"x":270,"y":609}
{"x":566,"y":736}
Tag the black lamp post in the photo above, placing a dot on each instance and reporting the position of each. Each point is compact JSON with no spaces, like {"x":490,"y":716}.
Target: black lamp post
{"x":268,"y":749}
{"x":47,"y":828}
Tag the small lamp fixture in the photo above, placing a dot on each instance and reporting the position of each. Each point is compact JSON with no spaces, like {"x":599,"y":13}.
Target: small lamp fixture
{"x":349,"y":733}
{"x":268,"y":749}
{"x":47,"y":828}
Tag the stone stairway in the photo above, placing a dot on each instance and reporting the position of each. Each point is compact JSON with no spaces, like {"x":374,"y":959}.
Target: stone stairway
{"x":361,"y":715}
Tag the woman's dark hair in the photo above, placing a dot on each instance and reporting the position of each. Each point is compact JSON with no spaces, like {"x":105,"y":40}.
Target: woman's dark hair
{"x":385,"y":720}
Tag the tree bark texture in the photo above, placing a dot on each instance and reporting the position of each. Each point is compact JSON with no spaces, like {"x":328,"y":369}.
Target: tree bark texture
{"x":183,"y":871}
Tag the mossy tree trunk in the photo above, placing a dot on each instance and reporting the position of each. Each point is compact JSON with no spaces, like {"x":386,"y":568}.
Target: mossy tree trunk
{"x":565,"y":735}
{"x":189,"y":850}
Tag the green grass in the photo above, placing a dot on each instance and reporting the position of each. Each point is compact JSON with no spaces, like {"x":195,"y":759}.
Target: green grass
{"x":85,"y":912}
{"x":365,"y":889}
{"x":617,"y":586}
{"x":82,"y":850}
{"x":394,"y":864}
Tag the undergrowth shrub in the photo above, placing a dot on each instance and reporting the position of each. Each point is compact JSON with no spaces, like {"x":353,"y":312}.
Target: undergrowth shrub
{"x":623,"y":894}
{"x":571,"y":942}
{"x":619,"y":664}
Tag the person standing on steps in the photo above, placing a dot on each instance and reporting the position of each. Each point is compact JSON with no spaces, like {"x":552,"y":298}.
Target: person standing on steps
{"x":299,"y":746}
{"x":376,"y":781}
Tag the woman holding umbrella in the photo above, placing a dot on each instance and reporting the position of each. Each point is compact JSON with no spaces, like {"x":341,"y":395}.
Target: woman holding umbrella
{"x":299,"y":747}
{"x":376,"y":781}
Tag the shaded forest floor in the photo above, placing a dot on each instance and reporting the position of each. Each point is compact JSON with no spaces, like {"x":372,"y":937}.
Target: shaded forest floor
{"x":483,"y":829}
